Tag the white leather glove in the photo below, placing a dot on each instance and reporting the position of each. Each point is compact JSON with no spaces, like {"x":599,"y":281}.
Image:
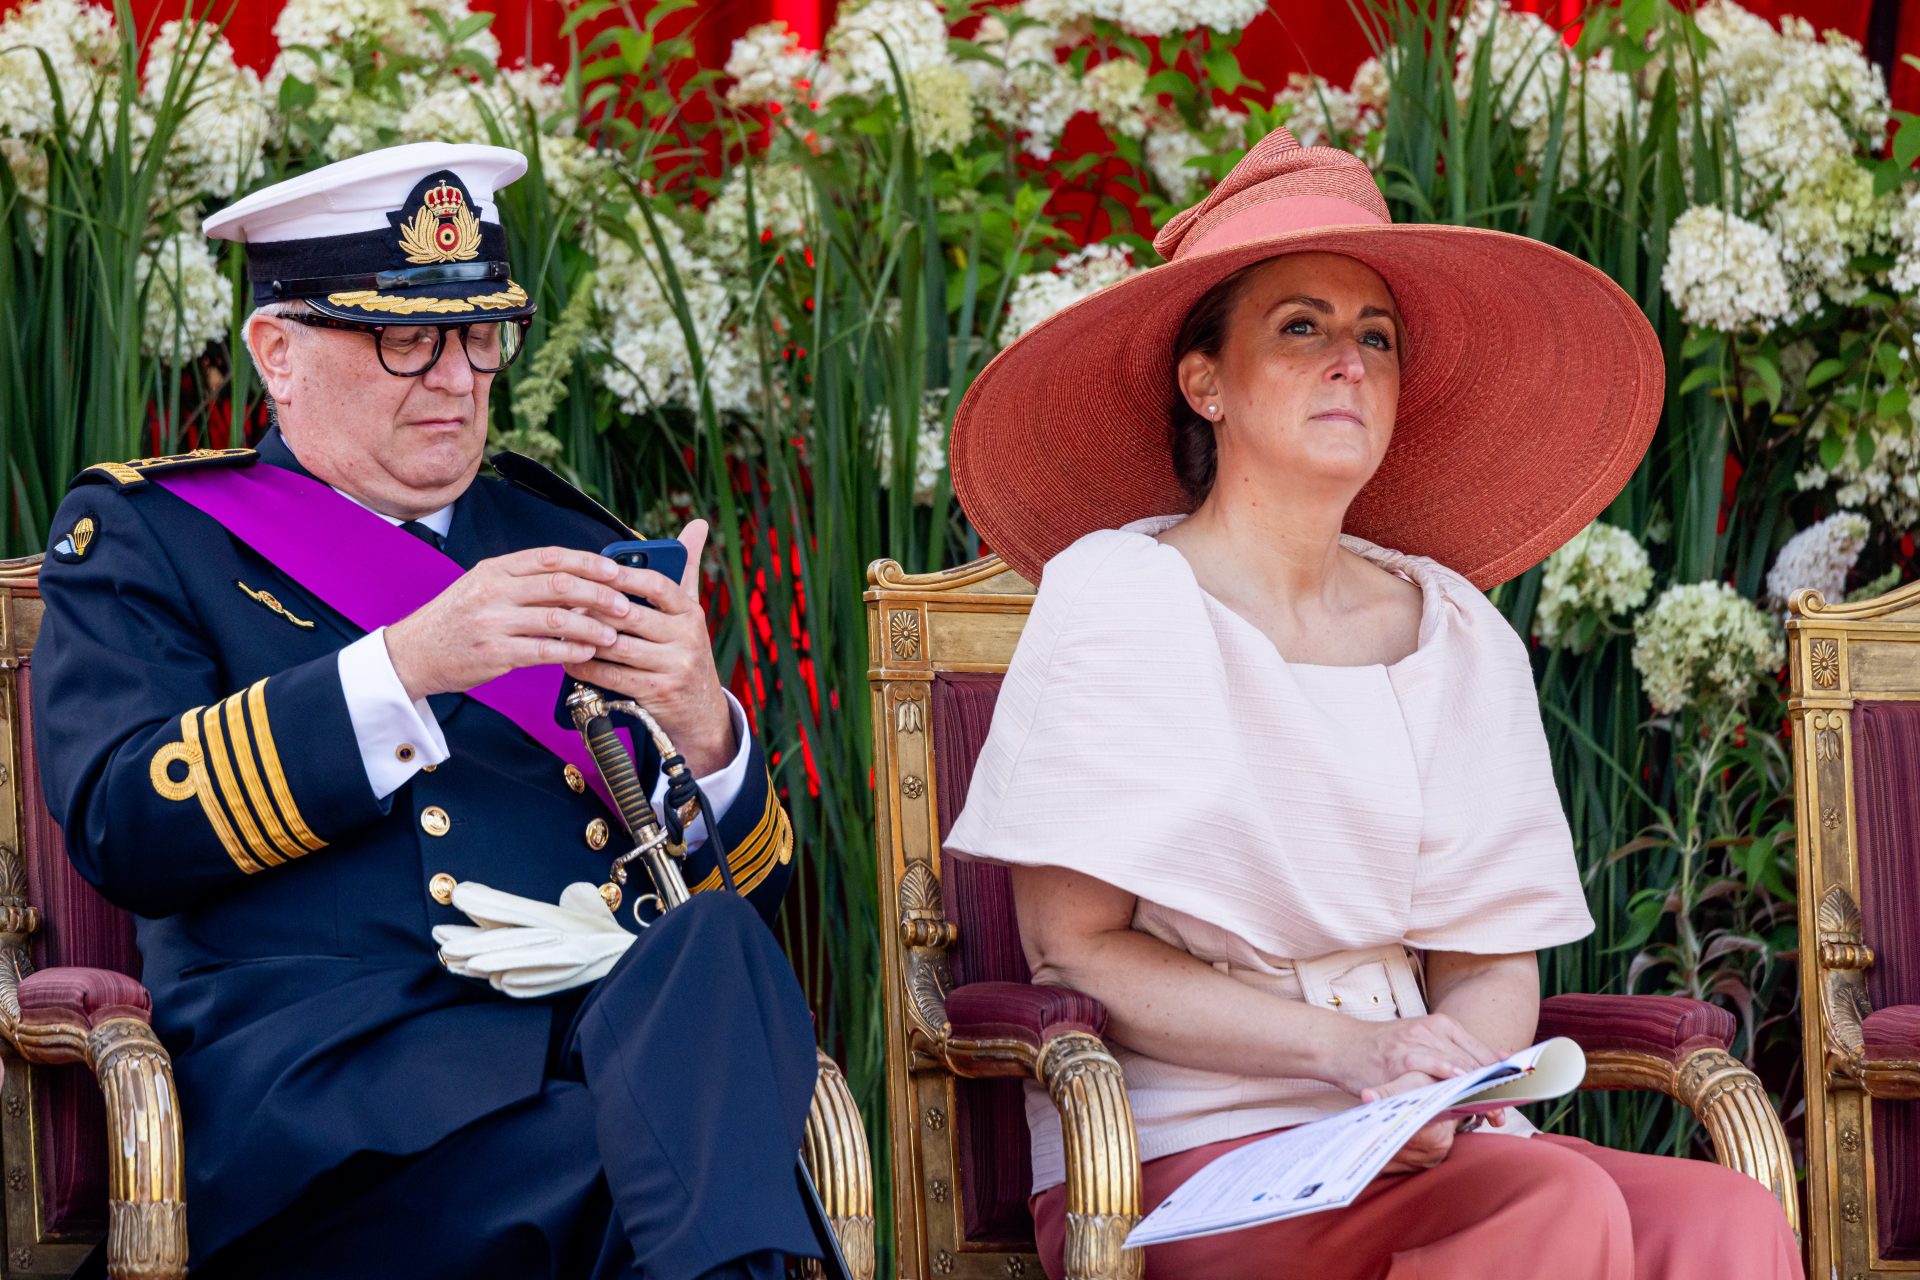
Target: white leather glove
{"x":529,"y":948}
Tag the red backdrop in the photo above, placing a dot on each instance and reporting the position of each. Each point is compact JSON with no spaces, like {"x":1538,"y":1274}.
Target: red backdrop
{"x":1321,"y":37}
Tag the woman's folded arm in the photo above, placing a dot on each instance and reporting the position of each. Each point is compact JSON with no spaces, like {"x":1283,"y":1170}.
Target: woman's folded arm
{"x":1077,"y":932}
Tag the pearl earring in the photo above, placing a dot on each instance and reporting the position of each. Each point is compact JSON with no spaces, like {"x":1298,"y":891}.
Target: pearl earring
{"x":1213,"y":411}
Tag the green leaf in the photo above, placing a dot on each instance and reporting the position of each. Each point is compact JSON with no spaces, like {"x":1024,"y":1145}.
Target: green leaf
{"x":296,"y":94}
{"x":1700,"y":343}
{"x":1825,"y":371}
{"x":1906,"y":143}
{"x":1832,"y":448}
{"x":1223,"y":69}
{"x":1705,"y":374}
{"x":471,"y":25}
{"x":1768,"y":372}
{"x":1863,"y":447}
{"x":584,"y":12}
{"x":1893,"y":402}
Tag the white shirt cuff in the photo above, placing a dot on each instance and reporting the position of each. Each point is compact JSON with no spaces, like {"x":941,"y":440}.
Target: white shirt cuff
{"x":721,"y":787}
{"x":396,"y":736}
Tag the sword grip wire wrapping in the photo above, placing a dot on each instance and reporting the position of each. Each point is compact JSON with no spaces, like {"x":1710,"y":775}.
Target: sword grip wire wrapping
{"x":661,"y":849}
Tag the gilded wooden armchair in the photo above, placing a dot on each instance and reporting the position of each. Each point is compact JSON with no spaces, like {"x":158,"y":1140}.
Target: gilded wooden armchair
{"x":1854,"y":671}
{"x":965,"y":1028}
{"x":90,"y":1125}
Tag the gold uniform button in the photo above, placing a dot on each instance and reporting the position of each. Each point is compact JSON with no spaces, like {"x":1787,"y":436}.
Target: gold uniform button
{"x":441,"y":887}
{"x":404,"y":753}
{"x":598,"y":833}
{"x":428,"y":768}
{"x":434,"y":820}
{"x":1334,"y":1001}
{"x":575,"y":782}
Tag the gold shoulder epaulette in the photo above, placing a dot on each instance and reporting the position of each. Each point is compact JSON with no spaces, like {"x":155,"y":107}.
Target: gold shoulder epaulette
{"x":129,"y":475}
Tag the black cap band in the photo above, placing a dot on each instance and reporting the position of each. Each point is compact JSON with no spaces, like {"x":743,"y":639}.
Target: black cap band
{"x":287,"y":269}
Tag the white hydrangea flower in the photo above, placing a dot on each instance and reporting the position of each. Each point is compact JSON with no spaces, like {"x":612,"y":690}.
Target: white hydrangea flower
{"x":1888,"y":482}
{"x":1039,"y":294}
{"x":782,"y":210}
{"x":1827,"y":218}
{"x":464,"y":111}
{"x":929,"y":449}
{"x":857,"y":48}
{"x":1706,"y":646}
{"x":317,"y":43}
{"x":1169,"y":145}
{"x":1724,"y":272}
{"x":1153,"y":17}
{"x":217,"y":146}
{"x":942,"y":99}
{"x":651,"y":366}
{"x":1325,"y":115}
{"x":1372,"y":80}
{"x":1526,"y":61}
{"x":1598,"y":102}
{"x":1115,"y":91}
{"x":1819,"y":558}
{"x":79,"y":40}
{"x":767,"y":64}
{"x":1600,"y":573}
{"x":1904,"y":232}
{"x":1033,"y":94}
{"x":1746,"y":53}
{"x":189,"y":303}
{"x":1790,"y":95}
{"x":28,"y":163}
{"x":398,"y":25}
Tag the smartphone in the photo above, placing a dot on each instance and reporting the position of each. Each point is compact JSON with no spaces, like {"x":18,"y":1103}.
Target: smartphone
{"x":665,"y":556}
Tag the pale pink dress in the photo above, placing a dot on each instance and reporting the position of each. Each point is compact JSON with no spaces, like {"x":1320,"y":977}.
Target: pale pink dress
{"x":1308,"y":830}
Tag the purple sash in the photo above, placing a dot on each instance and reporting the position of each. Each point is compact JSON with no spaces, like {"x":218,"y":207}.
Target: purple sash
{"x":372,"y":573}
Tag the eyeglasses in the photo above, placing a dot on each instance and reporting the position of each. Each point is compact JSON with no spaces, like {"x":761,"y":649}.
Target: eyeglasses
{"x":409,"y":350}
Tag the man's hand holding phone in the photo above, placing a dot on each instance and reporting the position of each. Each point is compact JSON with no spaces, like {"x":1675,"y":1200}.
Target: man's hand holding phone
{"x":662,"y":657}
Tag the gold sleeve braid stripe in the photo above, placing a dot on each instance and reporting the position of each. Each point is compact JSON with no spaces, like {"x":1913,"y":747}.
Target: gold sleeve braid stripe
{"x":196,"y":784}
{"x":237,"y":790}
{"x":768,"y":845}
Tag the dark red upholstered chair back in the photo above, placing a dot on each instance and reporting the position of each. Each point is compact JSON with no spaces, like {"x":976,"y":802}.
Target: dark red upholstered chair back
{"x":52,"y":1114}
{"x":1886,"y":771}
{"x":990,"y":1119}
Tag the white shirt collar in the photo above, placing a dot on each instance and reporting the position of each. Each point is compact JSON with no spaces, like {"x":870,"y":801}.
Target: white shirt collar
{"x":439,"y":521}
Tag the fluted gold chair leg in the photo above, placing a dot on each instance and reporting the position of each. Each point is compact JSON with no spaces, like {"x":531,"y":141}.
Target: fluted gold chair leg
{"x":1733,"y":1107}
{"x":146,"y":1201}
{"x":1729,"y":1102}
{"x":1103,"y":1156}
{"x":835,"y":1149}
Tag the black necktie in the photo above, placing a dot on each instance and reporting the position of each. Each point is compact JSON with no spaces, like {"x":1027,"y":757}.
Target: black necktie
{"x":425,"y":534}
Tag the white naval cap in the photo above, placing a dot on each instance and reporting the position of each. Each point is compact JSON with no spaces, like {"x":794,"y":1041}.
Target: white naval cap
{"x":358,"y":193}
{"x":407,"y":234}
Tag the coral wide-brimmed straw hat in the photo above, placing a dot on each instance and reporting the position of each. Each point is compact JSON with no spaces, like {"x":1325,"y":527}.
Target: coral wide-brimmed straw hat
{"x":1530,"y":382}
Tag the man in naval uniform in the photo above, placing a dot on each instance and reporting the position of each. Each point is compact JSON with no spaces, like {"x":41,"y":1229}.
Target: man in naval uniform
{"x":296,"y":707}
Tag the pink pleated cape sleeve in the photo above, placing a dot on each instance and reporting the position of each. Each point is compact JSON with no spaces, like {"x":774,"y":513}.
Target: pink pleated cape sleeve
{"x":1151,"y":738}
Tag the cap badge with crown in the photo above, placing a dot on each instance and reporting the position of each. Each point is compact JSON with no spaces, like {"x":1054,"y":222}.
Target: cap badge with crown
{"x":443,"y":229}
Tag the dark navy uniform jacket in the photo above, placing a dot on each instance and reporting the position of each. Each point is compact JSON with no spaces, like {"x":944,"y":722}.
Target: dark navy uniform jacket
{"x":196,"y":749}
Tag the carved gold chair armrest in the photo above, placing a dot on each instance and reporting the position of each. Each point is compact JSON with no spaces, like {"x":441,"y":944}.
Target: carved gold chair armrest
{"x":1877,"y":1051}
{"x":100,"y":1018}
{"x":1679,"y":1047}
{"x":1053,"y":1035}
{"x":835,"y":1149}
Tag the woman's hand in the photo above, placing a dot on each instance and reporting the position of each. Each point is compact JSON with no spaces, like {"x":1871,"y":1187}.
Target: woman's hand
{"x":1431,"y":1144}
{"x":1404,"y":1053}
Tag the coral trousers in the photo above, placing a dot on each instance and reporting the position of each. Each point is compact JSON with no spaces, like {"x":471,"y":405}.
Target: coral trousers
{"x":1497,"y":1208}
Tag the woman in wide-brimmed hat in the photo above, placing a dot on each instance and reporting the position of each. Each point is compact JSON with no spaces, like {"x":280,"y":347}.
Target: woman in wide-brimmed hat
{"x":1267,"y":765}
